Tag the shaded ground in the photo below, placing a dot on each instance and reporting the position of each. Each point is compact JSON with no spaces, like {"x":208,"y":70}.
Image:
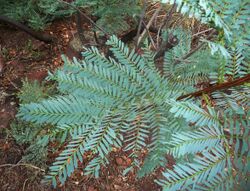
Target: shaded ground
{"x":22,"y":56}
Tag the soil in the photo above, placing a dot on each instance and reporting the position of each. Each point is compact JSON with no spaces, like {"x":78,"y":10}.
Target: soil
{"x":25,"y":57}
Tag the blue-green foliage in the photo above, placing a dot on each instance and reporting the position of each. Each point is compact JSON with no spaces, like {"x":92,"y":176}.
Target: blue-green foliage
{"x":185,"y":73}
{"x":213,"y":151}
{"x":106,"y":103}
{"x":126,"y":102}
{"x":231,"y":19}
{"x":190,"y":176}
{"x":212,"y":168}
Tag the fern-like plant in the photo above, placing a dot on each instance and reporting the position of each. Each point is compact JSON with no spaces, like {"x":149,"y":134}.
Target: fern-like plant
{"x":106,"y":103}
{"x":126,"y":102}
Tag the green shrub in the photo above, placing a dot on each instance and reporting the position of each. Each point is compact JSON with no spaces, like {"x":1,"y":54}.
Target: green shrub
{"x":35,"y":13}
{"x":28,"y":134}
{"x":113,"y":14}
{"x":125,"y":102}
{"x":107,"y":104}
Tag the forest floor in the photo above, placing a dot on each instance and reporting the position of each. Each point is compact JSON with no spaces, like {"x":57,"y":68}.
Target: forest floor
{"x":25,"y":57}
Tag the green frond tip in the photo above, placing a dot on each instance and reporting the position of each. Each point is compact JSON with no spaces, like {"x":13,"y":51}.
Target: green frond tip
{"x":194,"y":114}
{"x":182,"y":143}
{"x":205,"y":169}
{"x":60,"y":110}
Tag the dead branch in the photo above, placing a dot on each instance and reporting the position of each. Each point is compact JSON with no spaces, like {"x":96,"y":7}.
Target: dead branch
{"x":22,"y":164}
{"x":222,"y":86}
{"x":37,"y":35}
{"x":149,"y":24}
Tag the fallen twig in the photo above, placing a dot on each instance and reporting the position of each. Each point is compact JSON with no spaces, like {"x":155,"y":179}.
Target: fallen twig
{"x":149,"y":24}
{"x":166,"y":22}
{"x":150,"y":37}
{"x":218,"y":87}
{"x":201,"y":32}
{"x":31,"y":32}
{"x":22,"y":164}
{"x":141,"y":21}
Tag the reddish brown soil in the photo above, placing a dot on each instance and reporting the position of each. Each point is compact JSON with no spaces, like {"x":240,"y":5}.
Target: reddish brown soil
{"x":23,"y":56}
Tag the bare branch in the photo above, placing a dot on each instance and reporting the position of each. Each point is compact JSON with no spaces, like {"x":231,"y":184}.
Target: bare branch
{"x":149,"y":24}
{"x":141,"y":21}
{"x":218,"y":87}
{"x":22,"y":164}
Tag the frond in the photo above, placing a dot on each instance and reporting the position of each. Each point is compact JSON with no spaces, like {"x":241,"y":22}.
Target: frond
{"x":235,"y":66}
{"x":238,"y":126}
{"x":112,"y":72}
{"x":162,"y":125}
{"x":154,"y":159}
{"x":61,"y":110}
{"x":183,"y":74}
{"x":65,"y":130}
{"x":224,"y":182}
{"x":237,"y":99}
{"x":98,"y":139}
{"x":149,"y":55}
{"x":194,"y":114}
{"x":202,"y":10}
{"x":139,"y":68}
{"x":192,"y":142}
{"x":188,"y":176}
{"x":93,"y":82}
{"x":67,"y":161}
{"x":236,"y":14}
{"x":94,"y":166}
{"x":137,"y":133}
{"x":101,"y":141}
